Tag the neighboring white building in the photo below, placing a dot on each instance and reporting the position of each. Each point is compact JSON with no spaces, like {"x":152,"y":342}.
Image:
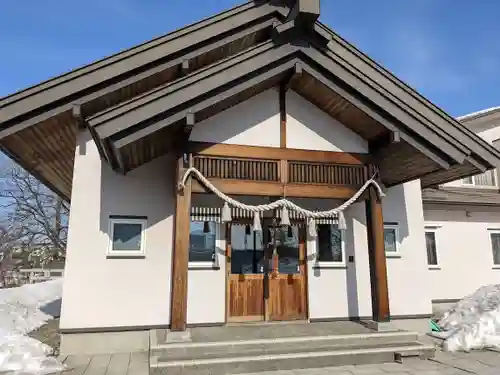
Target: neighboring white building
{"x":462,"y":224}
{"x":266,"y":102}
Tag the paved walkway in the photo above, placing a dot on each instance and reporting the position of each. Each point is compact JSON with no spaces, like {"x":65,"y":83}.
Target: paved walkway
{"x":107,"y":364}
{"x":480,"y":363}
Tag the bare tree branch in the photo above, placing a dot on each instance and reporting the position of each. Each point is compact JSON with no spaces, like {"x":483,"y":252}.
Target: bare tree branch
{"x":35,"y":219}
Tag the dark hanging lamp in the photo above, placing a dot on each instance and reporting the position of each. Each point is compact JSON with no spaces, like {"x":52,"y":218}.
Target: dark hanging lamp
{"x":290,"y":232}
{"x":248,"y":230}
{"x":206,"y":227}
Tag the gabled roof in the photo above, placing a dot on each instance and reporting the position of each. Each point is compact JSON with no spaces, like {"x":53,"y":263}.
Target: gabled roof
{"x":481,"y":120}
{"x":137,"y":103}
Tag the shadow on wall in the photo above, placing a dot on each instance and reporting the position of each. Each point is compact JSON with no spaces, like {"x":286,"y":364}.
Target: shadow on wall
{"x":147,"y":191}
{"x":351,"y":274}
{"x":395,"y":210}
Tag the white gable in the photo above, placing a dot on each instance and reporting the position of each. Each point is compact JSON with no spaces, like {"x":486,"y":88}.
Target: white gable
{"x":310,"y":128}
{"x":254,"y":122}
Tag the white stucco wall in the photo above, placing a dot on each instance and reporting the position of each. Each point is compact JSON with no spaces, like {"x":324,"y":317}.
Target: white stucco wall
{"x":309,"y":128}
{"x":463,"y":248}
{"x":207,"y":288}
{"x":345,"y":292}
{"x":103,"y":292}
{"x":255,"y":122}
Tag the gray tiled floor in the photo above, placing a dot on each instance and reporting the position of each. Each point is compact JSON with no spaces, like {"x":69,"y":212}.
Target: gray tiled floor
{"x":107,"y":364}
{"x":480,"y":363}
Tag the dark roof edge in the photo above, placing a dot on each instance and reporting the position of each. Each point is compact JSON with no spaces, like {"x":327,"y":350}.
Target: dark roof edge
{"x":413,"y":93}
{"x":19,"y":95}
{"x":35,"y":174}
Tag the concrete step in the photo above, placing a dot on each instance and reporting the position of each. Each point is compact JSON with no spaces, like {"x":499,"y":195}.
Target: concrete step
{"x":187,"y":350}
{"x":244,"y":356}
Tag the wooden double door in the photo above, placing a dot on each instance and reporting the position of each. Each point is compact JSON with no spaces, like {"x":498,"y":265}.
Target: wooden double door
{"x":266,"y":280}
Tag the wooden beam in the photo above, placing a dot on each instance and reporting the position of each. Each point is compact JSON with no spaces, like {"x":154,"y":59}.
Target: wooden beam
{"x":267,"y":188}
{"x":364,"y":106}
{"x":275,"y":153}
{"x":376,"y":257}
{"x":296,"y":72}
{"x":184,"y":68}
{"x":180,"y":255}
{"x":305,"y":13}
{"x":384,"y":140}
{"x":282,"y":105}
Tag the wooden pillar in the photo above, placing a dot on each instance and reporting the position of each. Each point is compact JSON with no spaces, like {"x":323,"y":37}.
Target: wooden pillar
{"x":376,"y":255}
{"x":282,"y":106}
{"x":180,"y":256}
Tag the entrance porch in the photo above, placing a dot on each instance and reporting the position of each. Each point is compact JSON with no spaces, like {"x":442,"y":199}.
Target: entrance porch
{"x":260,"y":347}
{"x":266,"y":269}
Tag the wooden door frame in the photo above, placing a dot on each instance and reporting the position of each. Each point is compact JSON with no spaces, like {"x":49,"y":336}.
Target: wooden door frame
{"x":305,"y":273}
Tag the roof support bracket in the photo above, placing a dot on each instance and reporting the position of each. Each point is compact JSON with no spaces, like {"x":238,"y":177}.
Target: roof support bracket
{"x":304,"y":13}
{"x":385,"y":140}
{"x":106,"y":152}
{"x":183,"y":68}
{"x":296,"y":72}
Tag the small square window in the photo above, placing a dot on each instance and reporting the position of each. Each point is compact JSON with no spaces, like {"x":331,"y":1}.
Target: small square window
{"x":127,"y":237}
{"x":202,"y":242}
{"x":330,"y":245}
{"x":391,"y":240}
{"x":495,"y":246}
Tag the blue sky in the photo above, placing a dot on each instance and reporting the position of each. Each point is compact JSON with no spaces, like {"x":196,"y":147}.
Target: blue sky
{"x":447,"y":49}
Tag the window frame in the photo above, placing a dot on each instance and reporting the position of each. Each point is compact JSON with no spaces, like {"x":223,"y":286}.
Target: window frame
{"x":330,"y":263}
{"x":490,"y":232}
{"x":397,"y":253}
{"x":433,"y":229}
{"x":127,"y":220}
{"x":474,"y":185}
{"x":214,"y":264}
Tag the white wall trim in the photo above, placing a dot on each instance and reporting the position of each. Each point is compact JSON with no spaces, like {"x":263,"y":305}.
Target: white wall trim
{"x":434,"y":229}
{"x":214,"y":264}
{"x":331,"y":264}
{"x":397,"y":253}
{"x":141,"y":252}
{"x":490,"y":232}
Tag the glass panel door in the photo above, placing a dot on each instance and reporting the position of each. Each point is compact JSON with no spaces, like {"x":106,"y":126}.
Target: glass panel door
{"x":288,"y":251}
{"x":247,"y":250}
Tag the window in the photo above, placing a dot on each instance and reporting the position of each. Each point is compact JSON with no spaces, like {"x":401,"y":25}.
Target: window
{"x":495,"y":246}
{"x":202,"y":237}
{"x":431,"y":246}
{"x":486,"y":179}
{"x":127,"y":236}
{"x":330,"y":245}
{"x":391,"y":240}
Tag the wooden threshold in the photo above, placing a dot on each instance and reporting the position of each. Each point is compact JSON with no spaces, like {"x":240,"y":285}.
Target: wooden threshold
{"x":268,"y":188}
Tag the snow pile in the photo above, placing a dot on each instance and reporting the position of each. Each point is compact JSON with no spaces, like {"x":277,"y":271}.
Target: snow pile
{"x":23,"y":310}
{"x":474,"y":322}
